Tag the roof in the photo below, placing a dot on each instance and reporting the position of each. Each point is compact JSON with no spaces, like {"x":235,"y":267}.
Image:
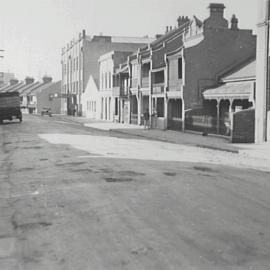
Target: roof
{"x":31,"y":88}
{"x":248,"y":71}
{"x":26,"y":86}
{"x":131,"y":39}
{"x":55,"y":86}
{"x":235,"y":90}
{"x":40,"y":88}
{"x":11,"y":88}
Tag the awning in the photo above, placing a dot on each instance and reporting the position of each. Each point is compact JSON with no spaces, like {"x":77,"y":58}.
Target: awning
{"x":231,"y":91}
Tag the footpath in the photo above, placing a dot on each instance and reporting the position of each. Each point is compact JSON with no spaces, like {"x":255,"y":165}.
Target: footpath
{"x":221,"y":143}
{"x":178,"y":137}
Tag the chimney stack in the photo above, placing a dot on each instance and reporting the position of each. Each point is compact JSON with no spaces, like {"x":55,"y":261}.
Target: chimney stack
{"x":217,"y":10}
{"x":216,"y":19}
{"x":13,"y":81}
{"x":234,"y":23}
{"x":29,"y":80}
{"x":182,"y":20}
{"x":167,"y":29}
{"x":47,"y":79}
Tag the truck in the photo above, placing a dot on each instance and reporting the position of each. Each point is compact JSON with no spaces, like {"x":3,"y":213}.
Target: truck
{"x":10,"y":106}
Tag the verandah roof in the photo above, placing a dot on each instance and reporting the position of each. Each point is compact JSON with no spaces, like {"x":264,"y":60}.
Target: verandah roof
{"x":231,"y":91}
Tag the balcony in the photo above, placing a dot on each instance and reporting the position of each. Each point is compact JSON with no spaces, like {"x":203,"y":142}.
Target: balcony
{"x":123,"y":91}
{"x":145,"y":82}
{"x":175,"y":85}
{"x":116,"y":91}
{"x":158,"y":88}
{"x":134,"y":82}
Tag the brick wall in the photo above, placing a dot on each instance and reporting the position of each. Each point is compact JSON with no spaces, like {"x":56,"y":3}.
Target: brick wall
{"x":220,"y":50}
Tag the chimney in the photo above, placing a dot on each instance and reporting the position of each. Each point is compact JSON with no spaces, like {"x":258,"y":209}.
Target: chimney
{"x":47,"y":79}
{"x":217,"y":10}
{"x":167,"y":29}
{"x":29,"y":80}
{"x":234,"y":23}
{"x":171,"y":28}
{"x":182,"y":20}
{"x":83,"y":33}
{"x":13,"y":81}
{"x":216,"y":19}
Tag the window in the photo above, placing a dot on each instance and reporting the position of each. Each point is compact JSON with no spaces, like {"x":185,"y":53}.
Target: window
{"x":180,"y":68}
{"x":116,"y":106}
{"x":160,"y":107}
{"x":109,"y":74}
{"x":106,"y":81}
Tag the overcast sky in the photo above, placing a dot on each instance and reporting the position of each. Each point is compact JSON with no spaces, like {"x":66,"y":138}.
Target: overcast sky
{"x":32,"y":32}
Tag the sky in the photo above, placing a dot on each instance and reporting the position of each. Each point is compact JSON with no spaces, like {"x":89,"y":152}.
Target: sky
{"x":32,"y":32}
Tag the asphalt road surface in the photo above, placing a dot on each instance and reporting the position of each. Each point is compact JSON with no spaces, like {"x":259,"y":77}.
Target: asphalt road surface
{"x":74,"y":198}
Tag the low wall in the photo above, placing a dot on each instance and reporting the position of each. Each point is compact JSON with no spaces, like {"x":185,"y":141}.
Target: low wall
{"x":244,"y":126}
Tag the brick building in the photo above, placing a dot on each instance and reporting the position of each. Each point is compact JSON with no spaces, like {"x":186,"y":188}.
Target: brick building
{"x":35,"y":95}
{"x":169,"y":76}
{"x":80,"y":62}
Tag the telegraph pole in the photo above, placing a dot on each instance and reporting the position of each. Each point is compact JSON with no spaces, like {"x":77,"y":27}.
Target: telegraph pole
{"x":262,"y":115}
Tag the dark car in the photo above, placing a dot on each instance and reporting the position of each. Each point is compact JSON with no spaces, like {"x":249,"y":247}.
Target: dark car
{"x":46,"y":111}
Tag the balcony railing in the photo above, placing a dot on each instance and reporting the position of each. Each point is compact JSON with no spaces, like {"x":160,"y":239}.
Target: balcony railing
{"x":175,"y":85}
{"x":134,"y":82}
{"x":145,"y":82}
{"x":116,"y":91}
{"x":158,"y":88}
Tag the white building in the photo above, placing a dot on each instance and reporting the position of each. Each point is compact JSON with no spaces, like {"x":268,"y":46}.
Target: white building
{"x":80,"y":63}
{"x":110,"y":102}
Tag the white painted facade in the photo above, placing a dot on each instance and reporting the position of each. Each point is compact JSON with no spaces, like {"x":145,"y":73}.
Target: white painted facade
{"x":106,"y":69}
{"x":91,"y":107}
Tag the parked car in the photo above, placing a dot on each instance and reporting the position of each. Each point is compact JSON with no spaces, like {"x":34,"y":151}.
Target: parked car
{"x":46,"y":111}
{"x":10,"y":106}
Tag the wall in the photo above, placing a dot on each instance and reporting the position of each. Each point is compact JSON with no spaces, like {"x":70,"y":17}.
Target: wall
{"x":244,"y":126}
{"x":220,"y":49}
{"x":44,"y":101}
{"x":89,"y":96}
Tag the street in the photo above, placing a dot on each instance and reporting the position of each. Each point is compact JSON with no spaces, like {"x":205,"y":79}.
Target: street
{"x":76,"y":198}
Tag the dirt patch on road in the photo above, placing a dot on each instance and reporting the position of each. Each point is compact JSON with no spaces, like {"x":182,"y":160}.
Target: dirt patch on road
{"x":115,"y":180}
{"x":29,"y":226}
{"x":203,"y":169}
{"x":32,"y":147}
{"x":169,"y":173}
{"x":25,"y":169}
{"x":69,"y":164}
{"x":131,"y":173}
{"x":82,"y":170}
